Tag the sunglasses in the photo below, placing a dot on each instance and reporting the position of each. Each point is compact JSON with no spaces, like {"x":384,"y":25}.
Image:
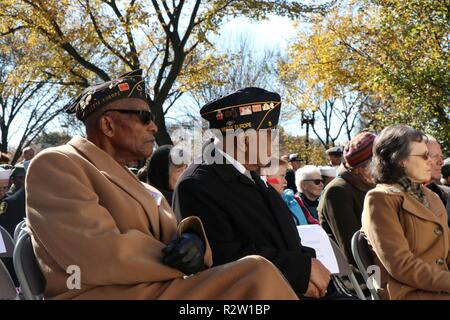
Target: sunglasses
{"x":425,"y":156}
{"x":146,"y":116}
{"x":316,"y":181}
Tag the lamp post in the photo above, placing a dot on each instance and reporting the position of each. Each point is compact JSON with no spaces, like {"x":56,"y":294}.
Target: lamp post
{"x":308,"y":120}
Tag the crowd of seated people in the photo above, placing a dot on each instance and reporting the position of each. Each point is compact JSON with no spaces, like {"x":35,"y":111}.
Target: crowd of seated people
{"x":167,"y":230}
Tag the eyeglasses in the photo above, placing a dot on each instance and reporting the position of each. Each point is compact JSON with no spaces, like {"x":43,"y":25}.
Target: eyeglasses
{"x":316,"y":181}
{"x":425,"y":156}
{"x":146,"y":116}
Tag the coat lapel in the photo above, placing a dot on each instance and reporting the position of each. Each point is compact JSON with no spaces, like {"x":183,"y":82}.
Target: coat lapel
{"x":411,"y":205}
{"x":278,"y":210}
{"x":120,"y":176}
{"x":414,"y":207}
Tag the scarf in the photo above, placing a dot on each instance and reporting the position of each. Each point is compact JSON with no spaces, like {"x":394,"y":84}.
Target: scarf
{"x":414,"y":189}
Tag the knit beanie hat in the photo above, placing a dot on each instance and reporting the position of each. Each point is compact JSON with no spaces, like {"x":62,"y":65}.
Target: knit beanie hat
{"x":358,"y":150}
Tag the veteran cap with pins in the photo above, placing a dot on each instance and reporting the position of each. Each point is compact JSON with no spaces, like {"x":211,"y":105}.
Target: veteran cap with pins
{"x":247,"y":108}
{"x":128,"y":85}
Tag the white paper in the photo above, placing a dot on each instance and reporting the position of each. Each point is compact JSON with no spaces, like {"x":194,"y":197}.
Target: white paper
{"x":315,"y":237}
{"x":2,"y":244}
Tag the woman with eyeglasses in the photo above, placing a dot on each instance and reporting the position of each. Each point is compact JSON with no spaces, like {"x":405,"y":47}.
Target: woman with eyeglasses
{"x":404,"y":222}
{"x":341,"y":203}
{"x":309,"y":185}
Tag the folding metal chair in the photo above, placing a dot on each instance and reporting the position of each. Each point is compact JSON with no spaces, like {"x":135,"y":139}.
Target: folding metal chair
{"x":31,"y":279}
{"x":9,"y":243}
{"x":363,"y":257}
{"x":20,"y":226}
{"x":346,"y":270}
{"x":7,"y":287}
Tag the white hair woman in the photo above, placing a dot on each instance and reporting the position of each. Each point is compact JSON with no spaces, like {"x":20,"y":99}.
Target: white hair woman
{"x":309,"y":184}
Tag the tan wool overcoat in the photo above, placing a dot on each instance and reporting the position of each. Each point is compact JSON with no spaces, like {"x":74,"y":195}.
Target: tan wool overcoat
{"x":86,"y":210}
{"x":410,"y":243}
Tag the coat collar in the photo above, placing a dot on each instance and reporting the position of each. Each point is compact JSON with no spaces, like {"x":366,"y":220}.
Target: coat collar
{"x":226,"y":167}
{"x":353,"y":179}
{"x":120,"y":176}
{"x":433,"y":213}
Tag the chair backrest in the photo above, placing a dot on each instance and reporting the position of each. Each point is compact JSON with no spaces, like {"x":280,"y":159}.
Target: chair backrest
{"x":345,"y":269}
{"x":363,"y":258}
{"x":20,"y":226}
{"x":31,"y":279}
{"x":7,"y":287}
{"x":9,"y":243}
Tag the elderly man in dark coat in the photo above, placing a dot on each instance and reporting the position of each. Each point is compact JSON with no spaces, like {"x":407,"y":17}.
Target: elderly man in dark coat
{"x":121,"y":234}
{"x":242,"y":214}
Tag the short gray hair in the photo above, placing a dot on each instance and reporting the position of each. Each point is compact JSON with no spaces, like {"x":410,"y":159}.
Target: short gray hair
{"x":305,"y":173}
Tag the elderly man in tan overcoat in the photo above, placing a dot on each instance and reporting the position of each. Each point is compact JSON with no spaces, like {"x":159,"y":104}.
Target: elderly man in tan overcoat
{"x":86,"y":209}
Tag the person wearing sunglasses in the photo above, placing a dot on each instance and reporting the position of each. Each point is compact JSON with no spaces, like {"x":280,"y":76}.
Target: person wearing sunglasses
{"x":404,"y":222}
{"x":86,"y":209}
{"x":310,"y":186}
{"x":341,"y":204}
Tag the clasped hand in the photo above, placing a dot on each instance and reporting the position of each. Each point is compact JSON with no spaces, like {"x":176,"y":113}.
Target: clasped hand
{"x":185,"y":253}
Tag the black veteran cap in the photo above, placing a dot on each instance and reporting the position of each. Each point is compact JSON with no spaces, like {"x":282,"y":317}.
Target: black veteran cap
{"x":248,"y":108}
{"x":128,"y":85}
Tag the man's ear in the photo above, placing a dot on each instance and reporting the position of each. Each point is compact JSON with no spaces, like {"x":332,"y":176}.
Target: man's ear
{"x":106,"y":125}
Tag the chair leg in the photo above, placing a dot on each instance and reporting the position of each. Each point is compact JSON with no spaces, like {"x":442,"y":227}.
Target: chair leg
{"x":356,"y":286}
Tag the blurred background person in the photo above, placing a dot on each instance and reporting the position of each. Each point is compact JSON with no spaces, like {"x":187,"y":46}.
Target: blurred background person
{"x":404,"y":222}
{"x":4,"y":181}
{"x":434,"y":149}
{"x":309,"y":185}
{"x":445,"y":171}
{"x":295,"y":162}
{"x":17,"y":179}
{"x":328,"y":173}
{"x":278,"y":181}
{"x":163,"y":173}
{"x":27,"y":154}
{"x":341,"y":203}
{"x":334,"y":155}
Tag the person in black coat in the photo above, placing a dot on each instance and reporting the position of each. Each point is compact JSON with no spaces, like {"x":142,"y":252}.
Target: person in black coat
{"x":12,"y":210}
{"x":243,"y":215}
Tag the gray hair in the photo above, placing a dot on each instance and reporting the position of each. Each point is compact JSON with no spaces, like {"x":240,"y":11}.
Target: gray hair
{"x":305,"y":173}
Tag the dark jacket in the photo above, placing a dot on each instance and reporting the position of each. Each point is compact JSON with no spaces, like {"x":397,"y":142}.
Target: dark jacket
{"x":158,"y":171}
{"x":12,"y":210}
{"x":444,"y":194}
{"x":290,"y":179}
{"x":340,"y":208}
{"x":242,"y":217}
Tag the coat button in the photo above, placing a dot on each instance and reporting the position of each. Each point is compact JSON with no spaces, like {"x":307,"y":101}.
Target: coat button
{"x":440,"y":262}
{"x":438,"y":231}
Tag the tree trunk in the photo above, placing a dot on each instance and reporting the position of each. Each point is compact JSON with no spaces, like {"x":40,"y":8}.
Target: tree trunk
{"x":4,"y":145}
{"x":162,"y":136}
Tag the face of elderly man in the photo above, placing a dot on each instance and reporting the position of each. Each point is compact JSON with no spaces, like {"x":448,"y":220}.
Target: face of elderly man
{"x":130,"y":137}
{"x":434,"y":149}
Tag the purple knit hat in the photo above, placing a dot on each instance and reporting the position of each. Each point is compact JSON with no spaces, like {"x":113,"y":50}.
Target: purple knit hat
{"x":358,"y":150}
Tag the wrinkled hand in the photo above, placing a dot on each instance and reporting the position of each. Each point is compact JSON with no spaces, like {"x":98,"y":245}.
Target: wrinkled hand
{"x":320,"y":276}
{"x":185,"y":253}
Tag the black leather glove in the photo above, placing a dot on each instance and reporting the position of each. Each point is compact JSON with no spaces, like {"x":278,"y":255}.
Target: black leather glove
{"x":185,"y":253}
